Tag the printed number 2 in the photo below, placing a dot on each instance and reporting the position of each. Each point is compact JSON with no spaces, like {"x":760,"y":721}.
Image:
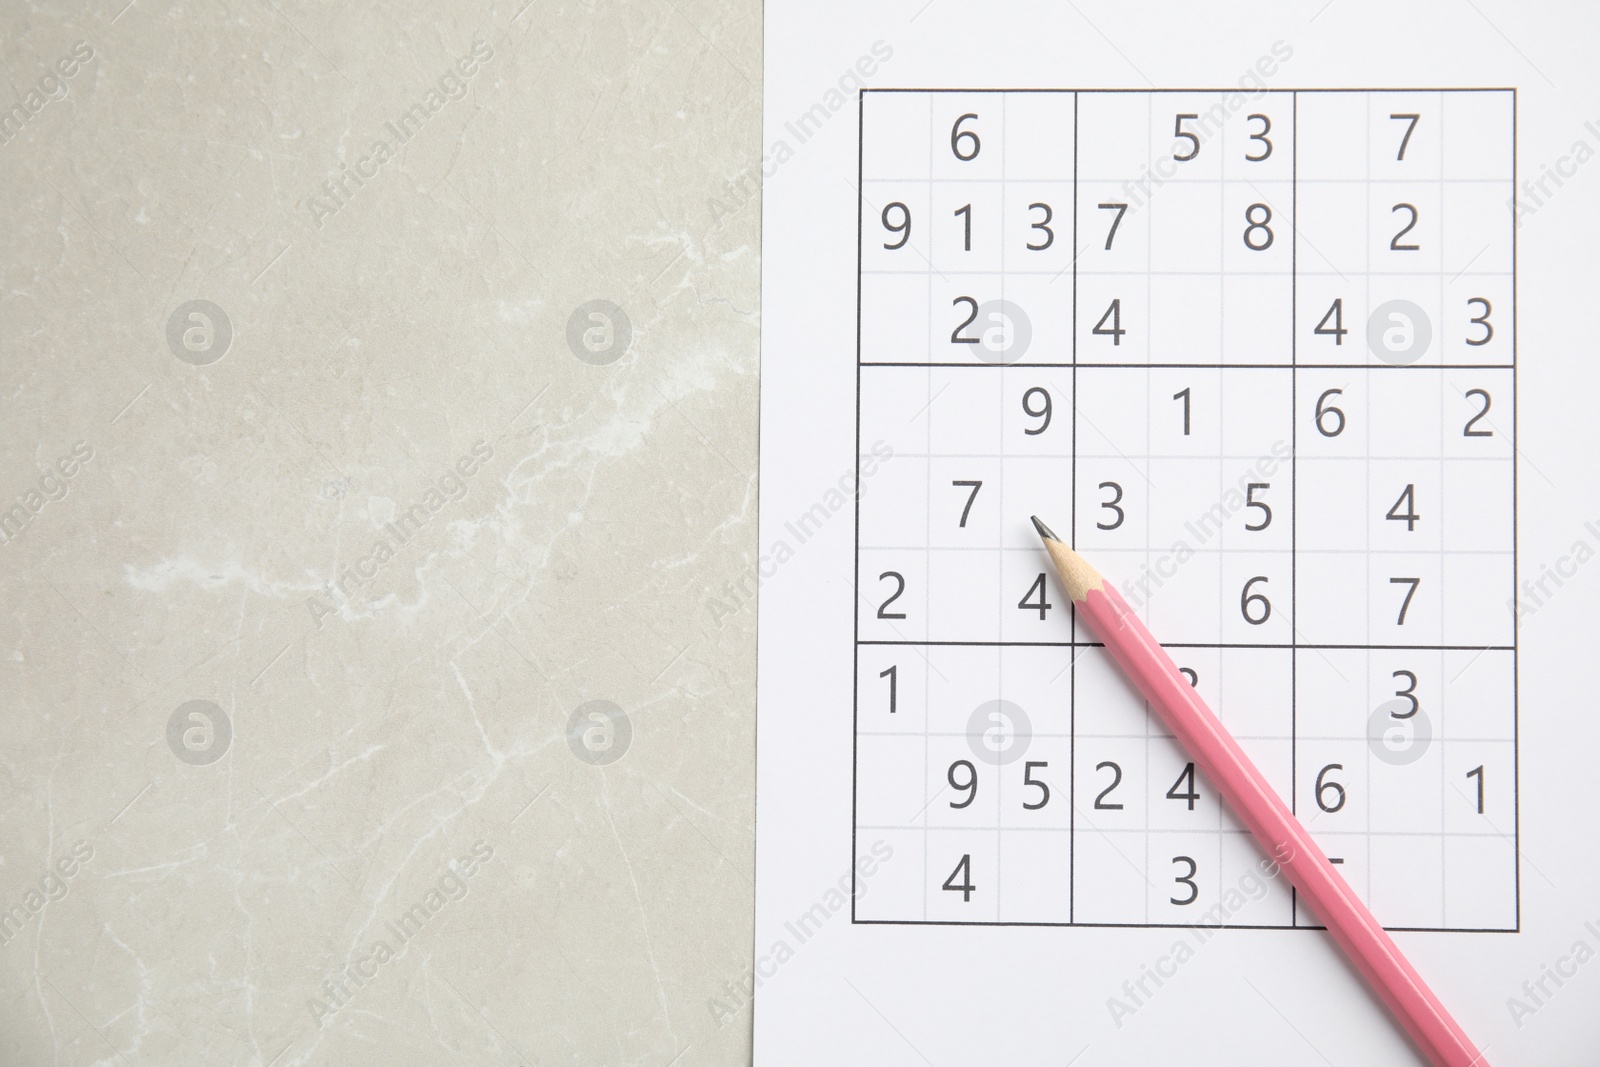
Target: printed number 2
{"x":883,"y":609}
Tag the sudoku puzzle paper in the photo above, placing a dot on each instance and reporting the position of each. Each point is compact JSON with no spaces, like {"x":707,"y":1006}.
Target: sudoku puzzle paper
{"x":1230,"y":299}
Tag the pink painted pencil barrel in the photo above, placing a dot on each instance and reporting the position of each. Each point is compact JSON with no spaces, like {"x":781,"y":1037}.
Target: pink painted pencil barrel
{"x":1219,"y":757}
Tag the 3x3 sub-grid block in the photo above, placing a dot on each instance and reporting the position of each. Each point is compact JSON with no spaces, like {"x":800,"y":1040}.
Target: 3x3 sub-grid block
{"x":1141,"y":804}
{"x":1403,"y":512}
{"x":1179,"y":520}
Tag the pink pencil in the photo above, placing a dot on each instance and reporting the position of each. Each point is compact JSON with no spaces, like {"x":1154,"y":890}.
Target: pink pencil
{"x":1219,"y":757}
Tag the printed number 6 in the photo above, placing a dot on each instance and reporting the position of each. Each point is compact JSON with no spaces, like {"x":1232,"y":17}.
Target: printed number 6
{"x":958,"y":137}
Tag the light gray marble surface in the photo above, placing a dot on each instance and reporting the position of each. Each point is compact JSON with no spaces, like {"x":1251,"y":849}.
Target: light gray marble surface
{"x":377,"y":449}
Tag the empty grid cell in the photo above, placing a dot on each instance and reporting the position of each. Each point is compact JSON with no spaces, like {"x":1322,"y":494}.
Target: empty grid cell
{"x":895,"y":136}
{"x":894,"y":318}
{"x":1038,"y":877}
{"x":1480,"y":883}
{"x":889,"y":876}
{"x":891,"y":783}
{"x":1043,"y":135}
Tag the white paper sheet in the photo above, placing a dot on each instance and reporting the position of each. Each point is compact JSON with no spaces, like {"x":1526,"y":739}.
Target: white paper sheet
{"x":1228,"y":295}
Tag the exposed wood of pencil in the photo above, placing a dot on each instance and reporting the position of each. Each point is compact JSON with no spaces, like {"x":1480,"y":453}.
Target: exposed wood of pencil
{"x":1076,"y":574}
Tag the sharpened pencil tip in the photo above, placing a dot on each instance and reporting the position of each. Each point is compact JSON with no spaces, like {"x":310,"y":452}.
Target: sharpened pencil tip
{"x":1044,"y":531}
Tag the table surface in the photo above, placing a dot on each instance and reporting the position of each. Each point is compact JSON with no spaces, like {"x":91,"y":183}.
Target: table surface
{"x":377,"y":476}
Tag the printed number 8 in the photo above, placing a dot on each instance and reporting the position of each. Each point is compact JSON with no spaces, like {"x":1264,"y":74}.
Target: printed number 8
{"x":1257,"y":243}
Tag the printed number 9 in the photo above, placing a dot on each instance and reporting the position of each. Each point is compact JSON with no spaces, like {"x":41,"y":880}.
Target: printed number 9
{"x":1041,"y":412}
{"x":903,"y":227}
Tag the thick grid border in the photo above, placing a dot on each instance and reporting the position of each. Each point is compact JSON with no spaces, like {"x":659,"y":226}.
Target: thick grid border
{"x":1293,"y":365}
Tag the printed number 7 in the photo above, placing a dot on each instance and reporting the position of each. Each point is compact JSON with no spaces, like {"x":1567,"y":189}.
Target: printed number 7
{"x":974,"y":486}
{"x":1400,"y":620}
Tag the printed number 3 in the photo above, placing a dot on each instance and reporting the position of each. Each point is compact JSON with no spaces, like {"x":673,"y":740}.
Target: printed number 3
{"x":1186,"y":879}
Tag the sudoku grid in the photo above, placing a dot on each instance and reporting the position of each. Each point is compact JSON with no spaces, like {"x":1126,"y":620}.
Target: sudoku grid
{"x":1255,"y":354}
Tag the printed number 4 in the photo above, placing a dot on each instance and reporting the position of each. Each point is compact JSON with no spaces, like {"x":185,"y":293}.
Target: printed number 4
{"x":964,"y":872}
{"x":1041,"y":605}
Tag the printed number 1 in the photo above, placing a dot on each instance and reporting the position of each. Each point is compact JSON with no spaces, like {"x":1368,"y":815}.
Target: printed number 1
{"x":1477,"y":772}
